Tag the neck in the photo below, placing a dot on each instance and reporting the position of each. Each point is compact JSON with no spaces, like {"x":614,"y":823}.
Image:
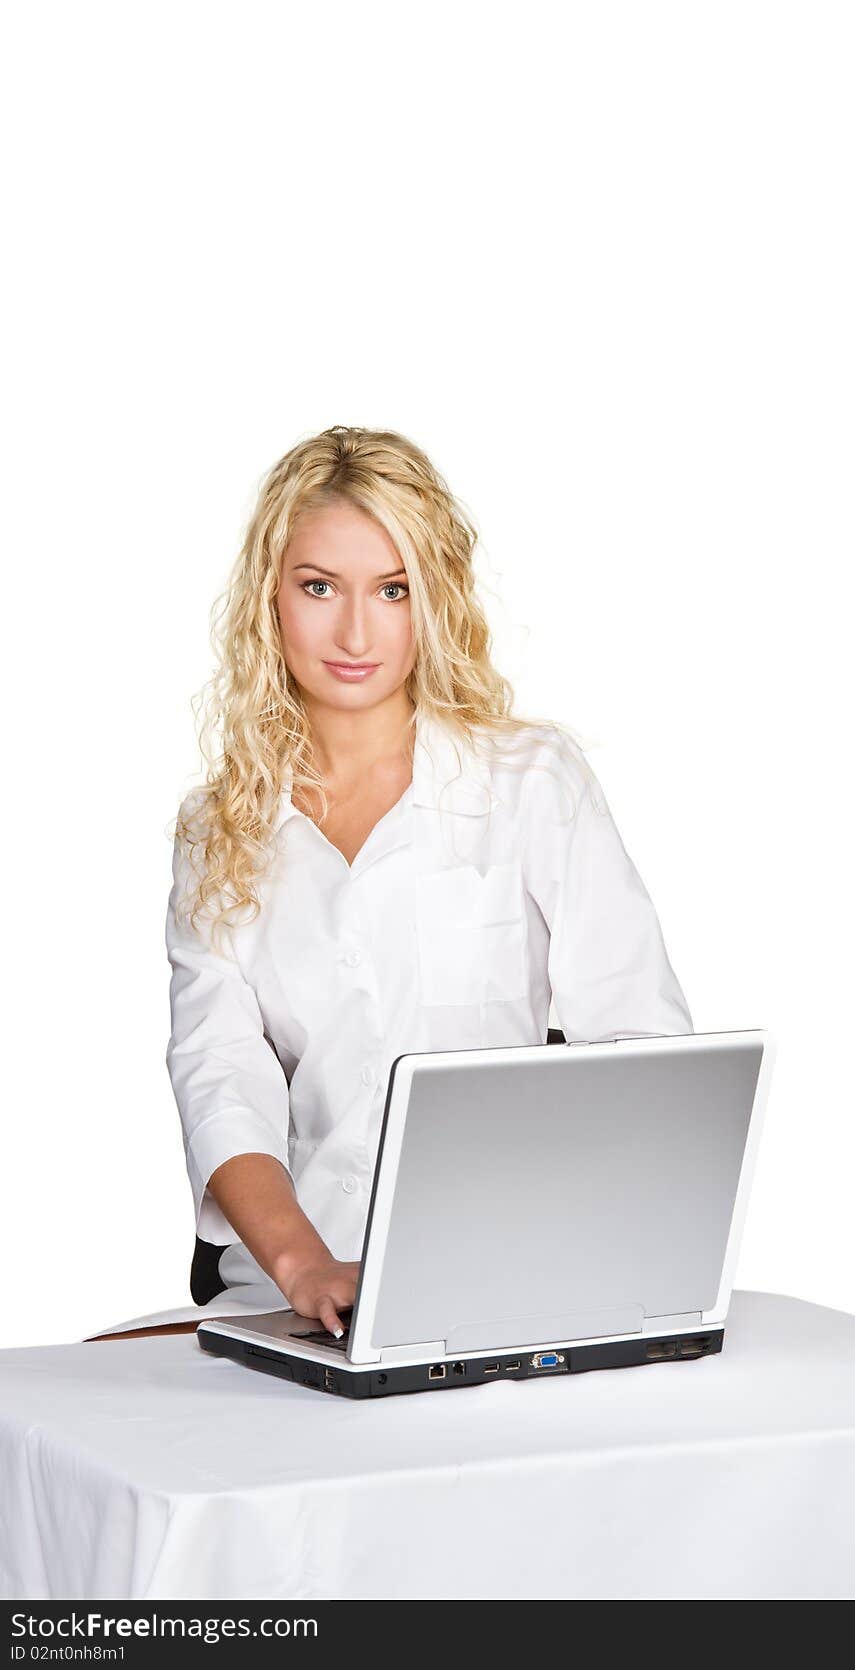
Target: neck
{"x":348,"y":744}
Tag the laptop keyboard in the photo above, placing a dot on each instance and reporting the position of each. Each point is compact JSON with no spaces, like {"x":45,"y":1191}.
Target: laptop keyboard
{"x":322,"y":1336}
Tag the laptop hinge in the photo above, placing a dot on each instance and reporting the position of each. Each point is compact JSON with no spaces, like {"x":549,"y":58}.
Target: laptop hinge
{"x":419,"y":1348}
{"x":662,"y":1324}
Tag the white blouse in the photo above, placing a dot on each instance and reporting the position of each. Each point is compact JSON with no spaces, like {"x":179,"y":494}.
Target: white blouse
{"x":497,"y":882}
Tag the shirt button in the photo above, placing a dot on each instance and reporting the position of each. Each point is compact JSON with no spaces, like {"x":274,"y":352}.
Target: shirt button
{"x":349,"y":1184}
{"x":366,"y":1075}
{"x":352,"y":959}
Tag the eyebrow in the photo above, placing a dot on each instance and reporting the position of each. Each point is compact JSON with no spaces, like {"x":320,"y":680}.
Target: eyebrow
{"x":329,"y":575}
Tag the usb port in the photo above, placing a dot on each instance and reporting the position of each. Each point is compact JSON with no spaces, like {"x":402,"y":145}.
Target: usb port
{"x":511,"y":1366}
{"x":491,"y":1368}
{"x":695,"y":1346}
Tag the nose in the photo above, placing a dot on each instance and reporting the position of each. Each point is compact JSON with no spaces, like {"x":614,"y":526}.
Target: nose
{"x":352,"y":635}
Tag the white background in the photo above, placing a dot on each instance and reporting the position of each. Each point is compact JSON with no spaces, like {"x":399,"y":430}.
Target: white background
{"x":598,"y":261}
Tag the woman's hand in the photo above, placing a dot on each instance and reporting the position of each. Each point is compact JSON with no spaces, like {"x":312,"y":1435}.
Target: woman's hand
{"x":256,"y":1194}
{"x":321,"y":1288}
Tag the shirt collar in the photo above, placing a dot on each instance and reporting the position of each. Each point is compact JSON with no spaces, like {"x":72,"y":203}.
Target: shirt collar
{"x":449,"y":773}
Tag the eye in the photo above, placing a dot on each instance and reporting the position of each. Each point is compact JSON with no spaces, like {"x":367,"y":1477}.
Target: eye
{"x":394,"y":585}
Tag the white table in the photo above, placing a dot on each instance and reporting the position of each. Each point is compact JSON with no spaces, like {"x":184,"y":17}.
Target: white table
{"x":146,"y":1469}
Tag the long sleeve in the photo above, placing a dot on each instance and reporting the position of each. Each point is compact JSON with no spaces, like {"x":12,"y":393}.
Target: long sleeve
{"x":608,"y":966}
{"x":228,"y":1083}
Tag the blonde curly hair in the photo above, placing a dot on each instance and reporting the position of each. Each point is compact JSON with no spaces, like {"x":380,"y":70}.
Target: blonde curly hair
{"x":252,"y":699}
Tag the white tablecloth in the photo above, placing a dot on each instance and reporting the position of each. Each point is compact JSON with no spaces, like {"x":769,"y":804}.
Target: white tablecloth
{"x":146,"y":1469}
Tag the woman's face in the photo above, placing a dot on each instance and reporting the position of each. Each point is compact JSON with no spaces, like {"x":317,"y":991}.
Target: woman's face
{"x":343,"y":599}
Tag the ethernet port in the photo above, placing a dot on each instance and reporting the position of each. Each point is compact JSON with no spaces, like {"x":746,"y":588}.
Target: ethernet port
{"x":436,"y":1371}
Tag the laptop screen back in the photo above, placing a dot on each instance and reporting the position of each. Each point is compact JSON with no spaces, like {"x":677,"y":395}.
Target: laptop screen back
{"x":563,"y":1186}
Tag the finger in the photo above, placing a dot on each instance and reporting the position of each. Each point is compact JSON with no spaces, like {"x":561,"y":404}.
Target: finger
{"x":330,"y":1317}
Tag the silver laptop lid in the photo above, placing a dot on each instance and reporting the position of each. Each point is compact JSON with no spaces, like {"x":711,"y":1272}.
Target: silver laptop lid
{"x":557,"y":1192}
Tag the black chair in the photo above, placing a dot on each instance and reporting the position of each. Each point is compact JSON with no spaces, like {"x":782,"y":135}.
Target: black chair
{"x":205,"y":1279}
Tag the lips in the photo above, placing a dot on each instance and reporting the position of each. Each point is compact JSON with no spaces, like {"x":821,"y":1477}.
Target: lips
{"x":351,"y":672}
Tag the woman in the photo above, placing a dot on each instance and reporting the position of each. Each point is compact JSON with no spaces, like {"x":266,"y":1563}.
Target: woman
{"x":383,"y":860}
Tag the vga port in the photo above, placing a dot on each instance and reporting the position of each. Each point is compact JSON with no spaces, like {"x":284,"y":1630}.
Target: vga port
{"x":546,"y":1359}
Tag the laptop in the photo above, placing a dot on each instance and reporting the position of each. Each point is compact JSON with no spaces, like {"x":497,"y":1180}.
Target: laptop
{"x":538,"y":1210}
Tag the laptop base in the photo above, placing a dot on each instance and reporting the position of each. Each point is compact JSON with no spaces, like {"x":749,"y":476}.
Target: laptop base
{"x":385,"y":1380}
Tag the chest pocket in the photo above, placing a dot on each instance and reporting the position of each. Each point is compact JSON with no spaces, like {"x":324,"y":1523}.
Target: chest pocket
{"x":471,"y":935}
